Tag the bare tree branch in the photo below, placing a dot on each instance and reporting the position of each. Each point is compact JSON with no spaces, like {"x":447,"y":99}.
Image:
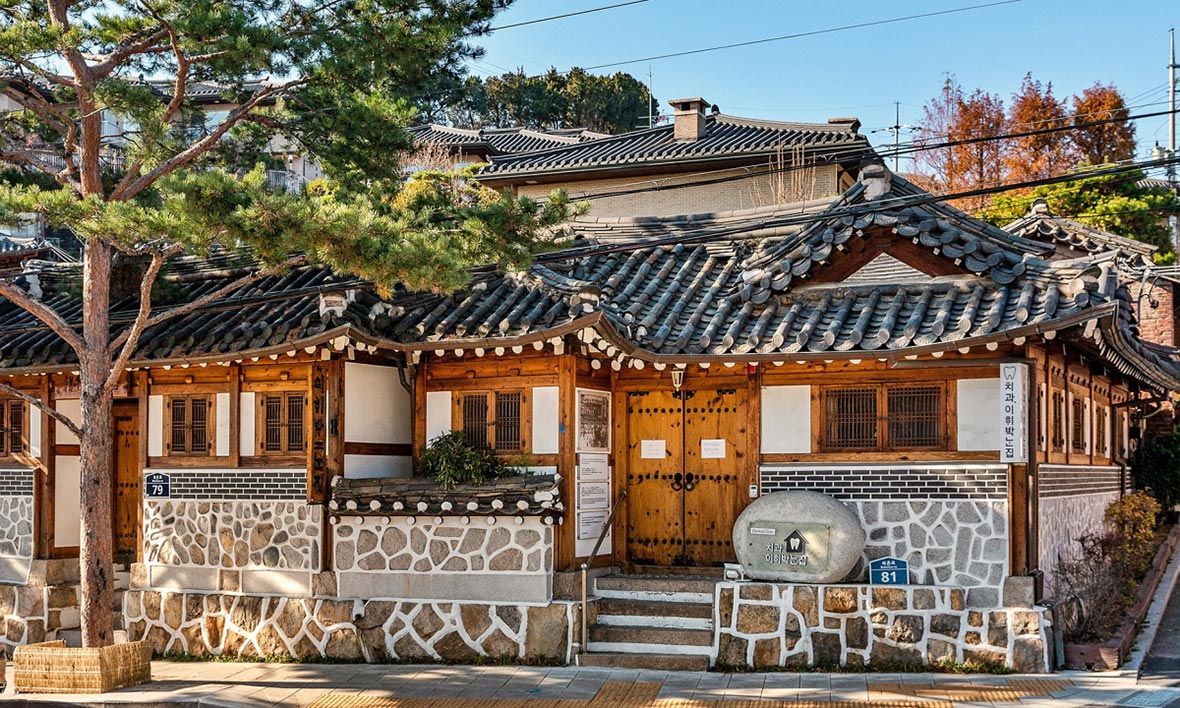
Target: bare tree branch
{"x":53,"y":413}
{"x":44,"y":313}
{"x":131,"y":339}
{"x":206,"y":143}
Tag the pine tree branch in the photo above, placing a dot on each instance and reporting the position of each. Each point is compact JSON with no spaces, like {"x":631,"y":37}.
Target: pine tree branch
{"x":44,"y":313}
{"x":143,"y":42}
{"x":206,"y":143}
{"x":129,"y":339}
{"x":38,"y":403}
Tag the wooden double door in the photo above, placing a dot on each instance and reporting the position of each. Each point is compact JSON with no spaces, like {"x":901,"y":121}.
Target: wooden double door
{"x":685,"y":475}
{"x":127,"y":480}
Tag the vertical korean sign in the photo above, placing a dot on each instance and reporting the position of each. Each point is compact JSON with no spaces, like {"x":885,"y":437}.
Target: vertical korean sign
{"x":1013,"y":413}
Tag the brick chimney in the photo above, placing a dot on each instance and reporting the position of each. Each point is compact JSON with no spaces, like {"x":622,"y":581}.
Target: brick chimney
{"x":690,"y":118}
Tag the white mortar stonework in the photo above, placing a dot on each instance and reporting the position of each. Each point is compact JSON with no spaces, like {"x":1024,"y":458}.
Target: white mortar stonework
{"x":765,"y":624}
{"x":375,"y":630}
{"x":16,"y":528}
{"x":1063,"y":520}
{"x":276,"y":535}
{"x":449,"y":547}
{"x":959,"y":543}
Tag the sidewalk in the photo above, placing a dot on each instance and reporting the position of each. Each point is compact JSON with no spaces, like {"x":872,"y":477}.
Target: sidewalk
{"x":229,"y":685}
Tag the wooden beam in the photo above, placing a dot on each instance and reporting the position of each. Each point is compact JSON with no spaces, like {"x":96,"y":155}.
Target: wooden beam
{"x":44,"y":489}
{"x":420,"y":378}
{"x":235,"y":415}
{"x":566,"y":534}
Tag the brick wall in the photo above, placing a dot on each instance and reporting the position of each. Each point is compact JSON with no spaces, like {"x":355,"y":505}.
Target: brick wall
{"x":230,"y":484}
{"x":16,"y":482}
{"x":758,"y":190}
{"x":890,"y":482}
{"x":1158,"y":323}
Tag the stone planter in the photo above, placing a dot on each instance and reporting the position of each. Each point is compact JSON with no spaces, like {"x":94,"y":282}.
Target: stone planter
{"x":1110,"y":655}
{"x":51,"y":667}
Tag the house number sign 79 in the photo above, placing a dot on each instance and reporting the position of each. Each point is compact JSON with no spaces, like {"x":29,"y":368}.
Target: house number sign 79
{"x":157,"y":485}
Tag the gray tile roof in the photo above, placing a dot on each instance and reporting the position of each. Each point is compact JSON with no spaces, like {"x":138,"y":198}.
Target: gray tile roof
{"x":726,"y":137}
{"x":538,"y":495}
{"x":501,"y":141}
{"x":742,"y":286}
{"x":1068,"y":235}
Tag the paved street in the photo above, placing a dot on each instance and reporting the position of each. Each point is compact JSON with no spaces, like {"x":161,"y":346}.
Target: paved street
{"x":416,"y":686}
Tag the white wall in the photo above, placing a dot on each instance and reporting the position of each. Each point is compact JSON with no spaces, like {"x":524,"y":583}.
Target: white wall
{"x":438,"y":414}
{"x":221,"y":419}
{"x":35,"y":416}
{"x":546,"y":419}
{"x":67,"y":501}
{"x":786,"y":419}
{"x":72,"y":409}
{"x":978,"y":409}
{"x":155,"y":426}
{"x":369,"y":466}
{"x":377,"y":409}
{"x":246,"y":440}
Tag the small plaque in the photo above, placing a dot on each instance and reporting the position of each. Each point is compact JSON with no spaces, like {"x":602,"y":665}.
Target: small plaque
{"x":889,"y":571}
{"x":593,"y":495}
{"x":788,"y":545}
{"x":652,"y":449}
{"x":157,"y":485}
{"x":713,"y":449}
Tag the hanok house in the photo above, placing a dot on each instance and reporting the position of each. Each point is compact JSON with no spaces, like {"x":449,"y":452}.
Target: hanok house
{"x":703,"y":161}
{"x":654,"y":379}
{"x":469,"y":146}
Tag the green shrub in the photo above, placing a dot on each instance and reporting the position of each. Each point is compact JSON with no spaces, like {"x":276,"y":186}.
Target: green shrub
{"x":451,"y":461}
{"x":1156,"y":466}
{"x":1132,"y":522}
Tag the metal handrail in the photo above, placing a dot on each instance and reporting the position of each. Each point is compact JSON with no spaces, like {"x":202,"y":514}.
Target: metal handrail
{"x":586,"y":567}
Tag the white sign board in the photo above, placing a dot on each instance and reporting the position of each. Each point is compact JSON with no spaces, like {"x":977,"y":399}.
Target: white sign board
{"x":652,"y":449}
{"x":593,"y":496}
{"x":1013,"y":413}
{"x":590,"y":523}
{"x":593,"y":467}
{"x":713,"y":449}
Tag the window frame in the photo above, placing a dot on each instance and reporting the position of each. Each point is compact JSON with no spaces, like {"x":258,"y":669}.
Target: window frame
{"x":1057,"y":413}
{"x":6,"y":452}
{"x":1078,"y":430}
{"x":260,"y":424}
{"x":884,"y":442}
{"x":524,"y":421}
{"x":210,"y":425}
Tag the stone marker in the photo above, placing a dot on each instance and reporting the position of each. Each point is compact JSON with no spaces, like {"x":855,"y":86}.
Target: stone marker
{"x":798,"y":537}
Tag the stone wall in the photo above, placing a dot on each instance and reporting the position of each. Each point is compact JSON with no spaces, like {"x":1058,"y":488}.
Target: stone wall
{"x":491,"y":559}
{"x":16,"y":524}
{"x":249,"y":545}
{"x":770,"y":624}
{"x":36,"y":610}
{"x":374,"y":630}
{"x":950,"y":522}
{"x":1073,"y":503}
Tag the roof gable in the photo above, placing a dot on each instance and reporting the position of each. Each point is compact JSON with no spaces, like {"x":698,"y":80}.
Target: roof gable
{"x":884,"y":268}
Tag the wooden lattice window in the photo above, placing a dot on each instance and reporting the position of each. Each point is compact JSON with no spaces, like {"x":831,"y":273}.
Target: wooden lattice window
{"x":12,"y":428}
{"x":1078,"y":424}
{"x":1100,"y":447}
{"x":885,"y":417}
{"x":281,"y":422}
{"x":1058,"y":439}
{"x":189,"y":425}
{"x":493,"y":420}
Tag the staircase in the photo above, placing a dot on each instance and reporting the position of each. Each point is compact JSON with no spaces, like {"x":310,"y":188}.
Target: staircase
{"x":651,"y":622}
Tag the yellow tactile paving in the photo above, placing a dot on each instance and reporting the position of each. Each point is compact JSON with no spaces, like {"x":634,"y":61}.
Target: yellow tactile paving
{"x":612,"y":695}
{"x":966,"y":692}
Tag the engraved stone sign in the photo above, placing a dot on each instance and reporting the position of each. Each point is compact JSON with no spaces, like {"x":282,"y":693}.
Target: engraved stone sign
{"x":798,"y":537}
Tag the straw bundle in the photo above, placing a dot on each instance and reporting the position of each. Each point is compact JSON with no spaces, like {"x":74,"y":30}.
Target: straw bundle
{"x":51,"y":667}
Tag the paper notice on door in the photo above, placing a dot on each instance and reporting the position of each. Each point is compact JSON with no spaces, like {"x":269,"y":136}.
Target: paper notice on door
{"x":713,"y":449}
{"x":653,"y":449}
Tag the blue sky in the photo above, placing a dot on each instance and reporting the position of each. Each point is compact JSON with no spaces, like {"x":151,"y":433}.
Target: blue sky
{"x":857,"y":72}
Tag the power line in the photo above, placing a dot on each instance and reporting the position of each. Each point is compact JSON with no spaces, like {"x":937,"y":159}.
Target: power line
{"x":741,"y":233}
{"x":562,"y":17}
{"x":810,"y":33}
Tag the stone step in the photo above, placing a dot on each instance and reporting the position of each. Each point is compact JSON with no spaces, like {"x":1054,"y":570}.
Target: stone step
{"x":655,"y":662}
{"x":659,"y":636}
{"x":665,"y":589}
{"x":653,"y":613}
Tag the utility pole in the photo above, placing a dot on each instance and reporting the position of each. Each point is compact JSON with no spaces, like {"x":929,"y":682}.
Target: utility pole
{"x":651,"y":99}
{"x":896,"y":129}
{"x":1172,"y":103}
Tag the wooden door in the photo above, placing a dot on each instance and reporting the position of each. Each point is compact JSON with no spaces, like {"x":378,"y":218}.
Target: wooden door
{"x":127,"y":480}
{"x":655,"y":524}
{"x":714,"y":459}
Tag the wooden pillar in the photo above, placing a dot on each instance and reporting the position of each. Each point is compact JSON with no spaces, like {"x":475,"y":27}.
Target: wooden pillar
{"x":235,"y":415}
{"x":619,"y":445}
{"x":44,"y":489}
{"x":419,"y":429}
{"x":753,"y":425}
{"x":566,"y":534}
{"x":1018,"y":517}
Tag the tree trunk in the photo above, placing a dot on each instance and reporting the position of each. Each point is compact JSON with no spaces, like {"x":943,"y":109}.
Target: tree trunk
{"x":97,"y":538}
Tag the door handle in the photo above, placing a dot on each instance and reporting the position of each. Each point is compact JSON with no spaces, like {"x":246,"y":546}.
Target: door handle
{"x":677,"y":482}
{"x":689,"y":481}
